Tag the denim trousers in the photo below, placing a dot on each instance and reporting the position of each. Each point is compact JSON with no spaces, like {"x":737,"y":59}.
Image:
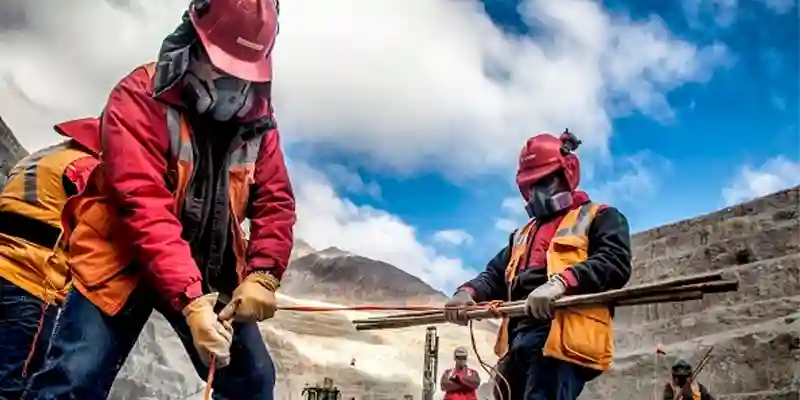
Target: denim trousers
{"x":20,"y":315}
{"x":532,"y":376}
{"x":88,"y":348}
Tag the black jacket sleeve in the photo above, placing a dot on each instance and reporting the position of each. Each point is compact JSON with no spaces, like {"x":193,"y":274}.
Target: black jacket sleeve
{"x":609,"y":263}
{"x":491,"y":283}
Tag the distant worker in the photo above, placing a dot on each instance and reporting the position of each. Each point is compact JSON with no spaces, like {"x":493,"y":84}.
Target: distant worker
{"x":570,"y":245}
{"x":681,"y":387}
{"x":460,"y":382}
{"x":34,"y":277}
{"x":191,"y":150}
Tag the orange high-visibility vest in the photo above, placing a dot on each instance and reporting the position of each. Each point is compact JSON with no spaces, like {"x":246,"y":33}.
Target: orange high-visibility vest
{"x":579,"y":335}
{"x":30,"y":222}
{"x":99,"y":259}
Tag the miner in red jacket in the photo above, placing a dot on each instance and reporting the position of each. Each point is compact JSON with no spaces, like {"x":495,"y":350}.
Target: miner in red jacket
{"x":190,"y":150}
{"x":570,"y":245}
{"x":460,"y":382}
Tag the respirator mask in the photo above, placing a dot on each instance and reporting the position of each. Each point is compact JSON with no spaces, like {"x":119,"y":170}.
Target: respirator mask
{"x":549,"y":196}
{"x":215,"y":93}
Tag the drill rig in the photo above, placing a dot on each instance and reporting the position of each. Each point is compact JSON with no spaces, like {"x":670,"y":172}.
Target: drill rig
{"x":325,"y":392}
{"x":431,"y":365}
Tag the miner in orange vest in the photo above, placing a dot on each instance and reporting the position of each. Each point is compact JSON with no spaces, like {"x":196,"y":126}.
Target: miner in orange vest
{"x":33,"y":271}
{"x":460,"y":382}
{"x":190,"y":151}
{"x":569,"y":246}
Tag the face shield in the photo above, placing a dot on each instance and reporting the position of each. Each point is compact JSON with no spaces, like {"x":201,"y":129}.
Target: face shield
{"x":548,"y":196}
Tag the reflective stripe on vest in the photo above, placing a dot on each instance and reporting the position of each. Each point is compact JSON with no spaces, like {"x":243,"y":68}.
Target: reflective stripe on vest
{"x":568,"y":246}
{"x":180,"y":144}
{"x":98,"y":256}
{"x":28,"y":168}
{"x":581,"y":226}
{"x":30,"y":224}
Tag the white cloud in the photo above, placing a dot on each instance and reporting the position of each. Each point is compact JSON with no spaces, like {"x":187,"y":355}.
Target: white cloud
{"x":725,"y":13}
{"x":325,"y":219}
{"x":350,"y":181}
{"x":411,"y":84}
{"x":779,"y":6}
{"x":513,"y":216}
{"x":775,"y":174}
{"x":452,"y":237}
{"x":636,"y":178}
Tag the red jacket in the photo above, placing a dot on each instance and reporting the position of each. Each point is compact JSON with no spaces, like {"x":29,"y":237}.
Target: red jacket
{"x":460,"y":384}
{"x":84,"y":132}
{"x":135,"y":147}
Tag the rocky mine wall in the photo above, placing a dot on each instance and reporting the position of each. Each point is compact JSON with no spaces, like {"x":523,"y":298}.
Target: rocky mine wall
{"x":10,"y":151}
{"x":755,"y":331}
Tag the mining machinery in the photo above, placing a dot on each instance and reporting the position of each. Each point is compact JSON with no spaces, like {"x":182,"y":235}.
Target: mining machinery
{"x":325,"y":392}
{"x":431,"y":365}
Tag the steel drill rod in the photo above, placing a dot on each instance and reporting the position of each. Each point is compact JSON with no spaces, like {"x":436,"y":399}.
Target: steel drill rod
{"x":610,"y":298}
{"x":512,"y":310}
{"x":664,"y":286}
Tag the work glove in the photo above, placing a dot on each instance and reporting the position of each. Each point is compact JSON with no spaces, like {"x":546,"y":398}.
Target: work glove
{"x":460,"y":300}
{"x":210,"y":336}
{"x":253,"y":299}
{"x":539,"y":304}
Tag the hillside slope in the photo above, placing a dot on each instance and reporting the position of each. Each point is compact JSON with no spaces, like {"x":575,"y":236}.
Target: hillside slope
{"x":337,"y":276}
{"x":755,"y":331}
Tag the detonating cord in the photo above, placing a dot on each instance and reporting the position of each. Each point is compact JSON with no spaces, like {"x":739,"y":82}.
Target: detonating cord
{"x":492,"y":370}
{"x":51,"y":292}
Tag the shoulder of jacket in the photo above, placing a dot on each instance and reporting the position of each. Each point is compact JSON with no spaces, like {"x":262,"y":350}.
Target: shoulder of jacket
{"x":137,"y":82}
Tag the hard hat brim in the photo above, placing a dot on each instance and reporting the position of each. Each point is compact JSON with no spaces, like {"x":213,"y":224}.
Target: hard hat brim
{"x":252,"y":71}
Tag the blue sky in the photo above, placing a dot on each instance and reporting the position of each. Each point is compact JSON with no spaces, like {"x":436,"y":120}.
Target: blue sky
{"x":746,"y":114}
{"x":402,"y":120}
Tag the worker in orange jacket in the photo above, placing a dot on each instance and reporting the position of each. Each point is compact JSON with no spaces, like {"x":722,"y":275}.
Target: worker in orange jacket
{"x":191,"y":150}
{"x":570,"y":245}
{"x":34,"y":276}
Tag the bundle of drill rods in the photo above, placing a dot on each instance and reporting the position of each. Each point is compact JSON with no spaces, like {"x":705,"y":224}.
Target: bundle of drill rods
{"x":668,"y":291}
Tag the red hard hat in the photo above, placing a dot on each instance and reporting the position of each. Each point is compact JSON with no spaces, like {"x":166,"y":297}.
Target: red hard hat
{"x":238,"y":35}
{"x":544,"y":154}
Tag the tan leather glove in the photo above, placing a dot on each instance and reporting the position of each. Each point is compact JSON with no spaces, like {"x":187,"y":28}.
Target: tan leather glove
{"x":210,"y":336}
{"x":253,"y":299}
{"x":458,"y":315}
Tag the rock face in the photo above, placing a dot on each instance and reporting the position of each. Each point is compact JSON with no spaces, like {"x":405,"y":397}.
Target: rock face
{"x":10,"y":151}
{"x":755,"y":331}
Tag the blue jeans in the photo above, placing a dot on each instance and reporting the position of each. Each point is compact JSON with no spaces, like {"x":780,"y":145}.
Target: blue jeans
{"x":89,"y":348}
{"x":532,"y":376}
{"x":20,"y":313}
